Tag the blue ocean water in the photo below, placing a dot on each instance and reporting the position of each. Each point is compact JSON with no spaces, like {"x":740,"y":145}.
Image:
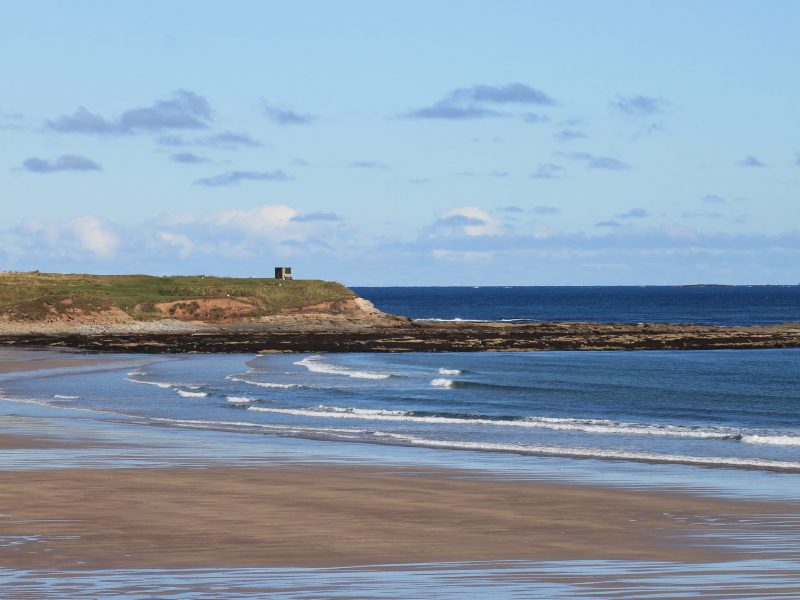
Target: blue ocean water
{"x":722,"y":408}
{"x":739,"y":305}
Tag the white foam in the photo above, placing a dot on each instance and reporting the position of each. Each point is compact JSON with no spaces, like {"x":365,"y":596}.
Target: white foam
{"x":442,"y":382}
{"x":315,"y":364}
{"x":549,"y":423}
{"x":63,"y":397}
{"x":444,"y":371}
{"x":775,"y":440}
{"x":263,"y":384}
{"x":158,"y":384}
{"x":187,"y":394}
{"x":337,"y":412}
{"x":597,"y":453}
{"x":238,"y":399}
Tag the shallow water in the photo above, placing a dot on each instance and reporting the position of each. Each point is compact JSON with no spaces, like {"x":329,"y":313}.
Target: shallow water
{"x":515,"y":579}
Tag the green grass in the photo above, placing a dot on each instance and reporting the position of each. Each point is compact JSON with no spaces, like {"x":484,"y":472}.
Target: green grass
{"x":35,"y":295}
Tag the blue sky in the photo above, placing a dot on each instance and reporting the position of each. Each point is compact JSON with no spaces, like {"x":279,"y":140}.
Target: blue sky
{"x":404,"y":143}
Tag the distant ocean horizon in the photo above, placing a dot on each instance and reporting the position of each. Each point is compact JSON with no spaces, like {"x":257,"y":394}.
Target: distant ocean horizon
{"x":700,"y":304}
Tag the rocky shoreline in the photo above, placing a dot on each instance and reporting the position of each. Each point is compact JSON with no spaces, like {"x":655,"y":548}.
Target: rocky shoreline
{"x":396,"y":334}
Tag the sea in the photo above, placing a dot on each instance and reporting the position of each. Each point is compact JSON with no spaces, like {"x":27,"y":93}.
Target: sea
{"x":719,"y":422}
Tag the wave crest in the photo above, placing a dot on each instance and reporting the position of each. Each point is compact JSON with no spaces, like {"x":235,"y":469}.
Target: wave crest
{"x":315,"y":364}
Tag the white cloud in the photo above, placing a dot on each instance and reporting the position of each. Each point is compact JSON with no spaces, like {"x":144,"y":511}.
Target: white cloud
{"x":89,"y":236}
{"x":464,"y":245}
{"x":95,"y":235}
{"x":468,"y":220}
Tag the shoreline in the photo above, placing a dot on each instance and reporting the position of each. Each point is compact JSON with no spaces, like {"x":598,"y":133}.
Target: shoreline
{"x":272,"y":514}
{"x":402,"y":335}
{"x":26,"y":361}
{"x":96,"y":507}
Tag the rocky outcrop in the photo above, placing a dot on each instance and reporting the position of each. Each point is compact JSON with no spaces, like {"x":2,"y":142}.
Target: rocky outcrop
{"x":362,"y":331}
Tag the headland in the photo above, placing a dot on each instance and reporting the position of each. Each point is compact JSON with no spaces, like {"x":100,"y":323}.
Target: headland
{"x":139,"y":313}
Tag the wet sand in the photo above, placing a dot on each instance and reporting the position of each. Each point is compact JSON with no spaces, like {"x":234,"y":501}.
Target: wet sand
{"x":340,"y":515}
{"x":13,"y":361}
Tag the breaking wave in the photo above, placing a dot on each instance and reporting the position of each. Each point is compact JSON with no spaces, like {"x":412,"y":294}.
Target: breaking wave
{"x":444,"y":371}
{"x":442,"y":382}
{"x":239,"y":399}
{"x":263,"y":384}
{"x":774,"y":440}
{"x":188,"y":394}
{"x":598,"y":426}
{"x":134,"y":374}
{"x":597,"y":453}
{"x":315,"y":364}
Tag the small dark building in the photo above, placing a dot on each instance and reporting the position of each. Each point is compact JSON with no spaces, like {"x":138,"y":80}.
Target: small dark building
{"x":283,"y":273}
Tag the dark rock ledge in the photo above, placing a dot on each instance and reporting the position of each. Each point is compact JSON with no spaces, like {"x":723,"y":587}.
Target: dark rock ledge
{"x":407,"y":336}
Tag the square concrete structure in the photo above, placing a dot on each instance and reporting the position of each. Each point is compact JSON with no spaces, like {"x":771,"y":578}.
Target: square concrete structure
{"x":283,"y":272}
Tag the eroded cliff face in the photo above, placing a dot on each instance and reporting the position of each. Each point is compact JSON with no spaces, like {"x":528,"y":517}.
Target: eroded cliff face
{"x":199,"y":314}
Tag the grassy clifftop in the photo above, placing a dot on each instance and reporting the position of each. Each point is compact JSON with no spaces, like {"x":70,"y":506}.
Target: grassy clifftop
{"x":46,"y":296}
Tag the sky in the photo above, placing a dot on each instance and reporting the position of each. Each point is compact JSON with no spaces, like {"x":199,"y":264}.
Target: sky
{"x":404,"y":143}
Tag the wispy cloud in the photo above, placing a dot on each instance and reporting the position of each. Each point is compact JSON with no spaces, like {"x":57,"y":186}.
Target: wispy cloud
{"x":469,"y":221}
{"x":225,"y":140}
{"x":611,"y":224}
{"x":315,"y":217}
{"x":639,"y":105}
{"x":714,"y":199}
{"x":10,"y":121}
{"x":280,"y":115}
{"x":569,"y":135}
{"x":545,"y":210}
{"x":459,"y":221}
{"x":751,"y":161}
{"x":594,"y":161}
{"x":634,"y":213}
{"x":368,"y":164}
{"x":236,"y":177}
{"x":471,"y":102}
{"x":67,"y":162}
{"x":449,"y":112}
{"x":531,"y":117}
{"x":188,"y":158}
{"x":547,"y":171}
{"x":702,"y":215}
{"x":185,"y":110}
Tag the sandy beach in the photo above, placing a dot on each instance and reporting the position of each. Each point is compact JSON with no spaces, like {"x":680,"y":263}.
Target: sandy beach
{"x":275,"y":515}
